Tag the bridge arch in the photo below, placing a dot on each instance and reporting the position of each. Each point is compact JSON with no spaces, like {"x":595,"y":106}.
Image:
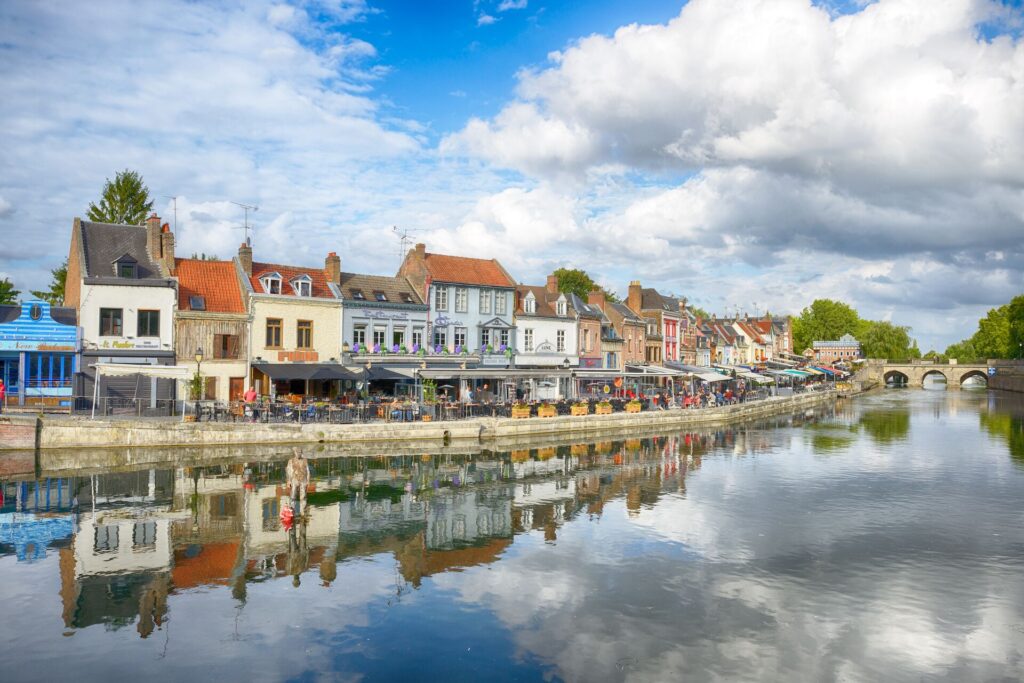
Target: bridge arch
{"x":934,"y":373}
{"x":974,"y":373}
{"x":896,"y":377}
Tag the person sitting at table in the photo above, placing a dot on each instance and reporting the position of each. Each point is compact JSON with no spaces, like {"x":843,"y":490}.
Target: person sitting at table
{"x":396,"y":409}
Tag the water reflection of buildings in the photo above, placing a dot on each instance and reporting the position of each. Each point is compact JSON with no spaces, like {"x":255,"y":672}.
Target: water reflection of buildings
{"x":129,"y":542}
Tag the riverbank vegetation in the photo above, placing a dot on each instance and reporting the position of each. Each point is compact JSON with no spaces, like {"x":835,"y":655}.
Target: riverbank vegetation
{"x":1000,"y":334}
{"x":826,"y":319}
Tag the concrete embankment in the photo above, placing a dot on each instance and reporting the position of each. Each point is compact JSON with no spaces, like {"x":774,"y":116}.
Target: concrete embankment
{"x":61,"y":432}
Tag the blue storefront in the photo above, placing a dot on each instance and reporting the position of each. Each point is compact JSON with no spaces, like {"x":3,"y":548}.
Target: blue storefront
{"x":39,"y":353}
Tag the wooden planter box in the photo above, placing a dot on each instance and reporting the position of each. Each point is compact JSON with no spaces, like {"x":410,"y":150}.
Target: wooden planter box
{"x":580,"y":410}
{"x":632,"y":407}
{"x":520,"y":412}
{"x":426,"y":418}
{"x":603,"y":409}
{"x":546,"y":411}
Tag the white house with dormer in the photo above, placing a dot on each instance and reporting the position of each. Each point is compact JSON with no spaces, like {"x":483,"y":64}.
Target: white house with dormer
{"x":546,"y":329}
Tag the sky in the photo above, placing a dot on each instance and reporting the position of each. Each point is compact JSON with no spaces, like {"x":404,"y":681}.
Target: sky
{"x":751,"y":155}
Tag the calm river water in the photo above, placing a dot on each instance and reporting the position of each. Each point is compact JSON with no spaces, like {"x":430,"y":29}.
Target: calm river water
{"x":881,"y":540}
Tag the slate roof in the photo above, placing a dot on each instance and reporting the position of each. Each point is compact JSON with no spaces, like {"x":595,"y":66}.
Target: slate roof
{"x":215,"y":281}
{"x":652,"y":300}
{"x":104,"y":243}
{"x":319,"y":289}
{"x":397,"y":290}
{"x":584,"y":309}
{"x":466,"y":270}
{"x":627,"y":313}
{"x":546,"y":301}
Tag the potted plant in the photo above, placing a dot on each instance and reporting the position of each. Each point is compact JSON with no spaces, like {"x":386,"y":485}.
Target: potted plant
{"x":546,"y":410}
{"x":580,"y":408}
{"x":633,"y":406}
{"x":520,"y":411}
{"x":603,"y":408}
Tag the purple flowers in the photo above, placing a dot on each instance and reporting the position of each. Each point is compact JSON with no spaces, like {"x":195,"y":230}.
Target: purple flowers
{"x":355,"y":347}
{"x":437,"y":349}
{"x":394,"y":349}
{"x":376,"y":348}
{"x":415,"y":348}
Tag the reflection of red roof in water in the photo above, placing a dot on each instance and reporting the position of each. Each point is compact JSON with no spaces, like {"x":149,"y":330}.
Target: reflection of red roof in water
{"x":455,"y":560}
{"x":212,"y":566}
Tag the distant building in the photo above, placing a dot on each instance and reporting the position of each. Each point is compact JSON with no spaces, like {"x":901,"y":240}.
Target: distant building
{"x":846,"y":348}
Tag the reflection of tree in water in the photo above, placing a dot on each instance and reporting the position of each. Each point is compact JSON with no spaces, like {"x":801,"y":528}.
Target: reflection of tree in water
{"x":1008,"y":427}
{"x":886,"y":426}
{"x":826,"y":438}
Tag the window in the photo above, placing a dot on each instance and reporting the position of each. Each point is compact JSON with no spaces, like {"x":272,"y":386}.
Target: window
{"x":461,"y":300}
{"x":197,"y":303}
{"x":560,"y":341}
{"x":359,"y":335}
{"x":271,"y":284}
{"x":304,"y":334}
{"x":504,"y":338}
{"x":407,"y":298}
{"x":485,"y":301}
{"x":302,"y":287}
{"x":273,"y":333}
{"x":499,"y":303}
{"x":585,"y":341}
{"x":561,"y":308}
{"x":144,"y":536}
{"x":417,"y":336}
{"x":530,"y":304}
{"x":110,"y":322}
{"x":528,"y":339}
{"x":149,"y":324}
{"x":460,"y":336}
{"x":380,"y":296}
{"x":441,"y":298}
{"x":398,"y":338}
{"x":106,"y":540}
{"x":380,"y":335}
{"x":357,"y":294}
{"x":440,"y":337}
{"x":126,"y":270}
{"x":225,"y":346}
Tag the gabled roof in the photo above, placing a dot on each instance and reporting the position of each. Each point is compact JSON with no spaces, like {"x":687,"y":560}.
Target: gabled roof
{"x":319,"y":289}
{"x":585,"y":310}
{"x":627,"y":313}
{"x":215,"y":281}
{"x":395,"y":289}
{"x":104,"y":244}
{"x":546,"y":302}
{"x":466,"y":270}
{"x":652,"y":300}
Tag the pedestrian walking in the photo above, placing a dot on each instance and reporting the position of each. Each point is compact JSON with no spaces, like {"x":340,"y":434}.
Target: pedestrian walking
{"x":3,"y":395}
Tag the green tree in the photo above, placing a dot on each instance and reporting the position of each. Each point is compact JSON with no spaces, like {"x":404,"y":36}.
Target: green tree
{"x":55,"y":295}
{"x":8,"y":294}
{"x":698,"y":311}
{"x":125,"y":201}
{"x":824,"y":319}
{"x":1015,"y":321}
{"x":578,"y":282}
{"x":963,"y":351}
{"x":880,"y":339}
{"x":992,"y":340}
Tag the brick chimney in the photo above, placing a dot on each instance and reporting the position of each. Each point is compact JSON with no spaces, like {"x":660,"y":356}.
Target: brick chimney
{"x":635,"y":297}
{"x":167,"y":248}
{"x":332,"y":265}
{"x":245,"y":258}
{"x":153,"y":241}
{"x":596,"y":298}
{"x":552,"y":285}
{"x":421,"y":250}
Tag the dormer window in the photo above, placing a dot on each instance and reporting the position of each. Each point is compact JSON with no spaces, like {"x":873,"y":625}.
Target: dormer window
{"x":561,"y":307}
{"x":303,"y":285}
{"x":530,"y":304}
{"x":271,"y":283}
{"x":380,"y":296}
{"x":357,"y":294}
{"x":126,"y":267}
{"x":407,"y":298}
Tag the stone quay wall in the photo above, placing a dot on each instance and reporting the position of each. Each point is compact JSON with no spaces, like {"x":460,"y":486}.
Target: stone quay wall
{"x":1009,"y":376}
{"x":61,"y":432}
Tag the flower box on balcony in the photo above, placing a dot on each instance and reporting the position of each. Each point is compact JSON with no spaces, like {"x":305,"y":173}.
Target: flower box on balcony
{"x":520,"y":412}
{"x":603,"y":409}
{"x":546,"y":410}
{"x":580,"y":409}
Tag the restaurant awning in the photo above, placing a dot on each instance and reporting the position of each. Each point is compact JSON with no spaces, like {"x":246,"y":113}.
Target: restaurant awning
{"x":158,"y":371}
{"x":314,"y":371}
{"x":800,"y":374}
{"x":709,"y":376}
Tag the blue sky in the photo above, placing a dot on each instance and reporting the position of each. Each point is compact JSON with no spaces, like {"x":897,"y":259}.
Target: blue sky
{"x":748,"y":154}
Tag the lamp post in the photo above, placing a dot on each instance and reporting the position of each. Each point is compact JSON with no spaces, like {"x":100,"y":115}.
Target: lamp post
{"x":199,"y":375}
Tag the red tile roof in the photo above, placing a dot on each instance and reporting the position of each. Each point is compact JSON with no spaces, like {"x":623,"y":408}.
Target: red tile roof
{"x":466,"y":270}
{"x":320,"y":290}
{"x":216,"y":281}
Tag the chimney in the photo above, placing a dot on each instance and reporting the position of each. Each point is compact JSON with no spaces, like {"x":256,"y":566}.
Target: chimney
{"x":635,"y":298}
{"x":167,"y":248}
{"x":332,"y":264}
{"x":153,"y":238}
{"x":682,"y":305}
{"x":552,"y":285}
{"x":421,"y":250}
{"x":245,"y":258}
{"x":596,"y":298}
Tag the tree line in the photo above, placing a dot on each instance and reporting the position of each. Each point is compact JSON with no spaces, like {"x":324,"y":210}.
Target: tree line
{"x":826,"y":319}
{"x":1000,"y":334}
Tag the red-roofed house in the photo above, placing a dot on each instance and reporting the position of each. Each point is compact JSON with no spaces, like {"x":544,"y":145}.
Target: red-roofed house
{"x":471,"y":301}
{"x":213,"y":318}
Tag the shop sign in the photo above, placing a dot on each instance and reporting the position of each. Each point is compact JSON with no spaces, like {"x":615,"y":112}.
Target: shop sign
{"x":136,"y":344}
{"x":387,"y":315}
{"x":11,"y":345}
{"x":495,"y":360}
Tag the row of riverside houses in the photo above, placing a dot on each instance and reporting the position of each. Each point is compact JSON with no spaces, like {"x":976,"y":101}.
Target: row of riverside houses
{"x":321,"y":331}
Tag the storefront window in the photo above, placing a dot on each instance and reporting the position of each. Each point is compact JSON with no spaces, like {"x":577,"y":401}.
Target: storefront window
{"x":149,"y":323}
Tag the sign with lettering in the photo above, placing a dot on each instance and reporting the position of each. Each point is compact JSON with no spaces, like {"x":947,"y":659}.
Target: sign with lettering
{"x":11,"y":345}
{"x":499,"y":361}
{"x":387,"y":315}
{"x":297,"y":356}
{"x":991,"y":372}
{"x":445,"y":321}
{"x":131,"y":344}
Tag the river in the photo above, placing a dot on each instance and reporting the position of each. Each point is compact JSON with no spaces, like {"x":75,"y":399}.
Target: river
{"x":881,"y":539}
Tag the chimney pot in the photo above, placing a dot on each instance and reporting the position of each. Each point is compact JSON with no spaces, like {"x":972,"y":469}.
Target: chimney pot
{"x":596,"y":298}
{"x":421,"y":249}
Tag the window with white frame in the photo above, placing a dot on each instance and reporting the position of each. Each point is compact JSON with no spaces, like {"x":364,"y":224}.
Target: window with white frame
{"x":440,"y":336}
{"x":460,"y":336}
{"x":485,"y":301}
{"x":417,"y":336}
{"x":503,"y":336}
{"x":359,"y":335}
{"x":303,"y":286}
{"x":461,"y":300}
{"x":271,"y":283}
{"x":499,"y":303}
{"x":530,"y":304}
{"x":560,"y":341}
{"x":441,"y":298}
{"x":380,"y":335}
{"x":528,"y":339}
{"x":561,"y":307}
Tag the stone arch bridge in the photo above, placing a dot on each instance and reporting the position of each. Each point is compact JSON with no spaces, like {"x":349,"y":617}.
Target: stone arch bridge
{"x":913,"y":373}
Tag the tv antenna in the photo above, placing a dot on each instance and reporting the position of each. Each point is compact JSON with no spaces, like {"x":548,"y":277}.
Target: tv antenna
{"x":403,"y":239}
{"x":247,"y":208}
{"x":175,"y":201}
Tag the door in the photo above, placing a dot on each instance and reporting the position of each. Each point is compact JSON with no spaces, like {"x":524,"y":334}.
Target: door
{"x":236,"y":388}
